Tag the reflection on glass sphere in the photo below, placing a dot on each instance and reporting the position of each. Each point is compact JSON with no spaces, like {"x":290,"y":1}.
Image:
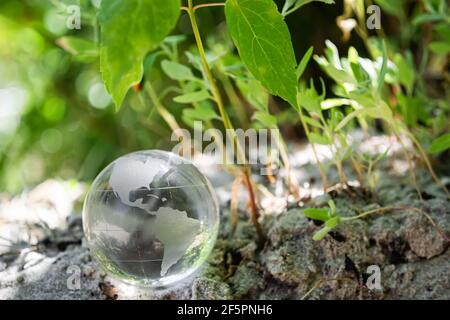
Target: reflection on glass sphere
{"x":151,"y":218}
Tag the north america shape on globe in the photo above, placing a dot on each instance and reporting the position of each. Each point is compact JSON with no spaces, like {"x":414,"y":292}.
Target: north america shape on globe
{"x":172,"y":227}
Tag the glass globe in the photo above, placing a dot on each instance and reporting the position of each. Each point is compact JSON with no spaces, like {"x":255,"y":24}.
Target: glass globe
{"x":151,"y":218}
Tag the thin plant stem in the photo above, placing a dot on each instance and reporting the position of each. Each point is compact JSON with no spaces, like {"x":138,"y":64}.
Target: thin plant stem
{"x":337,"y":161}
{"x":163,"y":112}
{"x":410,"y":164}
{"x":341,"y":173}
{"x":235,"y":188}
{"x":381,"y":210}
{"x":368,"y":213}
{"x":427,"y":162}
{"x":253,"y":206}
{"x":207,"y":70}
{"x":291,"y":181}
{"x":319,"y":164}
{"x":358,"y":169}
{"x":234,"y":99}
{"x":208,"y":5}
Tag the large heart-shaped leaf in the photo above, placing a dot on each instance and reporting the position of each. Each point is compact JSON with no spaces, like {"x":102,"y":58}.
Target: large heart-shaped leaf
{"x":129,"y":30}
{"x":264,"y":44}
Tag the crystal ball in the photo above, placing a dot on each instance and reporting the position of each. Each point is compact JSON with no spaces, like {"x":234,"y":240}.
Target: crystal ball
{"x":151,"y":218}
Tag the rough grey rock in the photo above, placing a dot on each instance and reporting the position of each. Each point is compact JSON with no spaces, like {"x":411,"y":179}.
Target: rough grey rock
{"x":423,"y":239}
{"x":412,"y":254}
{"x":291,"y":233}
{"x":209,"y":289}
{"x":424,"y":279}
{"x":36,"y":276}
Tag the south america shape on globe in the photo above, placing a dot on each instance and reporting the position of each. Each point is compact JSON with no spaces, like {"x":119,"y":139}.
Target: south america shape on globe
{"x":172,"y":227}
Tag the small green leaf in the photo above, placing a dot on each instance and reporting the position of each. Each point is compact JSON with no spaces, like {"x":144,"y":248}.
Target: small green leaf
{"x":312,"y":122}
{"x":383,"y":70}
{"x":319,"y":139}
{"x":129,"y":30}
{"x":319,"y":235}
{"x":353,"y":55}
{"x":149,"y":62}
{"x":332,"y":206}
{"x":383,"y":111}
{"x":333,"y":222}
{"x":309,"y":99}
{"x":320,"y":214}
{"x":428,"y":17}
{"x":77,"y":46}
{"x":440,"y":144}
{"x":265,"y":118}
{"x":203,"y":112}
{"x":443,"y":30}
{"x":293,"y":5}
{"x":193,"y":97}
{"x":335,"y":102}
{"x":176,"y":71}
{"x":349,"y":118}
{"x":304,"y":62}
{"x":175,"y":39}
{"x":392,"y":7}
{"x":255,"y":93}
{"x":264,"y":44}
{"x":338,"y":75}
{"x":440,"y":47}
{"x":406,"y":72}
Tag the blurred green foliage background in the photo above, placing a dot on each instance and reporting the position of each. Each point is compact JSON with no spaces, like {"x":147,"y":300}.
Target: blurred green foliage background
{"x":56,"y":118}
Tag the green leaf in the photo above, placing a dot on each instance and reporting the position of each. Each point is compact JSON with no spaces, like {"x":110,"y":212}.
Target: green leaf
{"x":176,"y":71}
{"x":309,"y":99}
{"x":319,"y":235}
{"x":149,"y":62}
{"x":391,"y":7}
{"x":264,"y":44}
{"x":335,"y":102}
{"x":77,"y":46}
{"x":333,"y":222}
{"x":440,"y":47}
{"x":312,"y":122}
{"x":255,"y":93}
{"x":428,"y":17}
{"x":129,"y":30}
{"x":349,"y":118}
{"x":381,"y":112}
{"x":440,"y":144}
{"x":268,"y":120}
{"x":319,"y":139}
{"x":175,"y":39}
{"x":293,"y":5}
{"x":338,"y":75}
{"x":383,"y":68}
{"x":443,"y":30}
{"x":406,"y":72}
{"x":304,"y":62}
{"x":320,"y":214}
{"x":193,"y":97}
{"x":332,"y":206}
{"x":203,"y":112}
